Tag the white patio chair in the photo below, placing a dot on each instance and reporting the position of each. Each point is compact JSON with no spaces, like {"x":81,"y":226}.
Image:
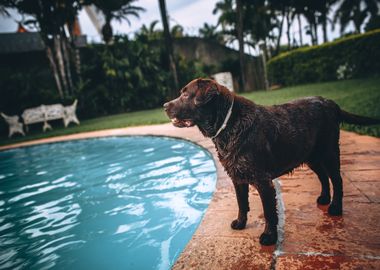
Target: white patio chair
{"x":70,"y":114}
{"x":14,"y":125}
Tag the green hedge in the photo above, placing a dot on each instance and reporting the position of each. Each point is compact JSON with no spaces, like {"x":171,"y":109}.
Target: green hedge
{"x":127,"y":76}
{"x":356,"y":56}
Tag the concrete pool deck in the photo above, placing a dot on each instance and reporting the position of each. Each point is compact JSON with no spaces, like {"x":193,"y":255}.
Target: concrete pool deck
{"x":312,"y":239}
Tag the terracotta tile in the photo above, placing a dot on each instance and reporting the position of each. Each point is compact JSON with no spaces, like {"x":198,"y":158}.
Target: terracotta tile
{"x":224,"y":253}
{"x":313,"y":239}
{"x":370,"y":189}
{"x":363,"y":176}
{"x":320,"y":262}
{"x":356,"y":233}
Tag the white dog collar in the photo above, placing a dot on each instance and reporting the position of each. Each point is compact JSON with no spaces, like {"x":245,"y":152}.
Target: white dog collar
{"x":225,"y":120}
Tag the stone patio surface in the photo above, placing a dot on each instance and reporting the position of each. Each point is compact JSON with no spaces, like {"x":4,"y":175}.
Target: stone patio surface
{"x":311,"y":239}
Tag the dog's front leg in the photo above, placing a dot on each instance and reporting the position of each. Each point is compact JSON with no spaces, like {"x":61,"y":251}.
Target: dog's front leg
{"x":268,"y":199}
{"x":242,"y":200}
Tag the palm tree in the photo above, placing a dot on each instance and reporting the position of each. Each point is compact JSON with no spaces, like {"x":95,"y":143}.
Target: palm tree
{"x":356,"y":11}
{"x":177,"y":31}
{"x":322,"y":9}
{"x":115,"y":10}
{"x":51,"y":19}
{"x":239,"y":26}
{"x":169,"y":46}
{"x":209,"y":31}
{"x":227,"y":19}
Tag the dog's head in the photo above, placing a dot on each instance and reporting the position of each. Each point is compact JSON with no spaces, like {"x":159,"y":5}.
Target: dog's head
{"x":191,"y":107}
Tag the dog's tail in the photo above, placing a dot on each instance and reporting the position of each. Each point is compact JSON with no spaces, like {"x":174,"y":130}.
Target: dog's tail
{"x":351,"y":118}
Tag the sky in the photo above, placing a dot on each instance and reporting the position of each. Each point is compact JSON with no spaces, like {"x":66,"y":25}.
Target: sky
{"x":190,"y":14}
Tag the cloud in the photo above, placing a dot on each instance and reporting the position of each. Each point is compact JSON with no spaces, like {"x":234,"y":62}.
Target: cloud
{"x":189,"y":14}
{"x":193,"y":16}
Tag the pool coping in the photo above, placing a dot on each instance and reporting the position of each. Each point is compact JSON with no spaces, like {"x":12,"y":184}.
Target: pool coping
{"x":215,"y":245}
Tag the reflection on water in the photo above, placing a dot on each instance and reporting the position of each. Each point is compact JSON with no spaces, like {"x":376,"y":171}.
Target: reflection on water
{"x":115,"y":203}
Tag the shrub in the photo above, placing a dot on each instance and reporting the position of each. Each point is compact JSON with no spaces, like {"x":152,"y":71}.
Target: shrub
{"x":356,"y":56}
{"x":125,"y":76}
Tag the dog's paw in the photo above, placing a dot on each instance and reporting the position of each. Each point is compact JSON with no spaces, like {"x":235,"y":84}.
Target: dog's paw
{"x":268,"y":239}
{"x":238,"y":224}
{"x":323,"y":200}
{"x":335,"y":210}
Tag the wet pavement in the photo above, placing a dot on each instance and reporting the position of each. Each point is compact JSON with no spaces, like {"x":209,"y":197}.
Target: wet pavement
{"x":311,"y":238}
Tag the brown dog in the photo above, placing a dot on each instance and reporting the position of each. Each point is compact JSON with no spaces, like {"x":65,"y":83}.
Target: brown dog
{"x":256,"y":144}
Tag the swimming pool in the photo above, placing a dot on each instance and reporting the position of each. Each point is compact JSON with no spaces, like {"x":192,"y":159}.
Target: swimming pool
{"x":109,"y":203}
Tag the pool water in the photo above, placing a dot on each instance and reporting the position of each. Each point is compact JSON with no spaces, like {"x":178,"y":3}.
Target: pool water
{"x":110,"y":203}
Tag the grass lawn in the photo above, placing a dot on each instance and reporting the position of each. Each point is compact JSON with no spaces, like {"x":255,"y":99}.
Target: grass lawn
{"x":356,"y":96}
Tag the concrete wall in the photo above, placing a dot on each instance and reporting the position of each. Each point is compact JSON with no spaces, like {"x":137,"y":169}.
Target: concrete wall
{"x":224,"y":59}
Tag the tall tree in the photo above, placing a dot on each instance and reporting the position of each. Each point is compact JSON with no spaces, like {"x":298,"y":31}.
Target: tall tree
{"x":210,"y":32}
{"x":282,"y":9}
{"x":357,"y":12}
{"x":239,"y":26}
{"x":249,"y":23}
{"x":115,"y":10}
{"x":309,"y":11}
{"x":323,"y":7}
{"x":300,"y":29}
{"x":169,"y":47}
{"x":55,"y":21}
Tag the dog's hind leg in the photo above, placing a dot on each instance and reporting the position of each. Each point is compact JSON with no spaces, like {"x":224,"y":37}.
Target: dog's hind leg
{"x":332,"y":165}
{"x":325,"y":197}
{"x":268,"y":199}
{"x":242,"y":199}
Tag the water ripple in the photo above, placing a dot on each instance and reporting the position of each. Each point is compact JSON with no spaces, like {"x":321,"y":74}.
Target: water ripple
{"x":132,"y":202}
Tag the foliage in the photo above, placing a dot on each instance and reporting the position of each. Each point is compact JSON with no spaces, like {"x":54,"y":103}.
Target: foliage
{"x":357,"y":55}
{"x":361,"y":96}
{"x":357,"y":96}
{"x":55,"y":22}
{"x":373,"y":23}
{"x":356,"y":12}
{"x":189,"y":70}
{"x":168,"y":49}
{"x":118,"y":10}
{"x":25,"y":81}
{"x":210,"y":32}
{"x":128,"y":75}
{"x":258,"y":20}
{"x":124,"y":76}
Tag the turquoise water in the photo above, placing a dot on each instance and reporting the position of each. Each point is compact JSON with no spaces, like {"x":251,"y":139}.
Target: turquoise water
{"x":110,"y":203}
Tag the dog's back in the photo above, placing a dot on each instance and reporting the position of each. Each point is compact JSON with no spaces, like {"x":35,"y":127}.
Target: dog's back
{"x":289,"y":134}
{"x":256,"y":144}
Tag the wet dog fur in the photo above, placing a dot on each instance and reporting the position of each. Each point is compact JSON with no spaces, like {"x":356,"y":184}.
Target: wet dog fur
{"x":261,"y":143}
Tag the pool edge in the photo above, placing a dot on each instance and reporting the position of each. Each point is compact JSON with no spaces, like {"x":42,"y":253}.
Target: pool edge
{"x":214,"y":243}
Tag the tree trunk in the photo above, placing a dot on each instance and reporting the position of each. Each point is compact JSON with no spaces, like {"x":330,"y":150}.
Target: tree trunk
{"x":288,"y":25}
{"x":324,"y":27}
{"x":264,"y":58}
{"x":311,"y":32}
{"x":169,"y":47}
{"x":280,"y":33}
{"x":300,"y":29}
{"x":357,"y":26}
{"x":61,"y":64}
{"x":66,"y":57}
{"x":239,"y":25}
{"x":53,"y":66}
{"x":316,"y":33}
{"x":107,"y":31}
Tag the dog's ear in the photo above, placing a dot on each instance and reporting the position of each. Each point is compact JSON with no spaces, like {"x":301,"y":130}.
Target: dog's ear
{"x":206,"y":91}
